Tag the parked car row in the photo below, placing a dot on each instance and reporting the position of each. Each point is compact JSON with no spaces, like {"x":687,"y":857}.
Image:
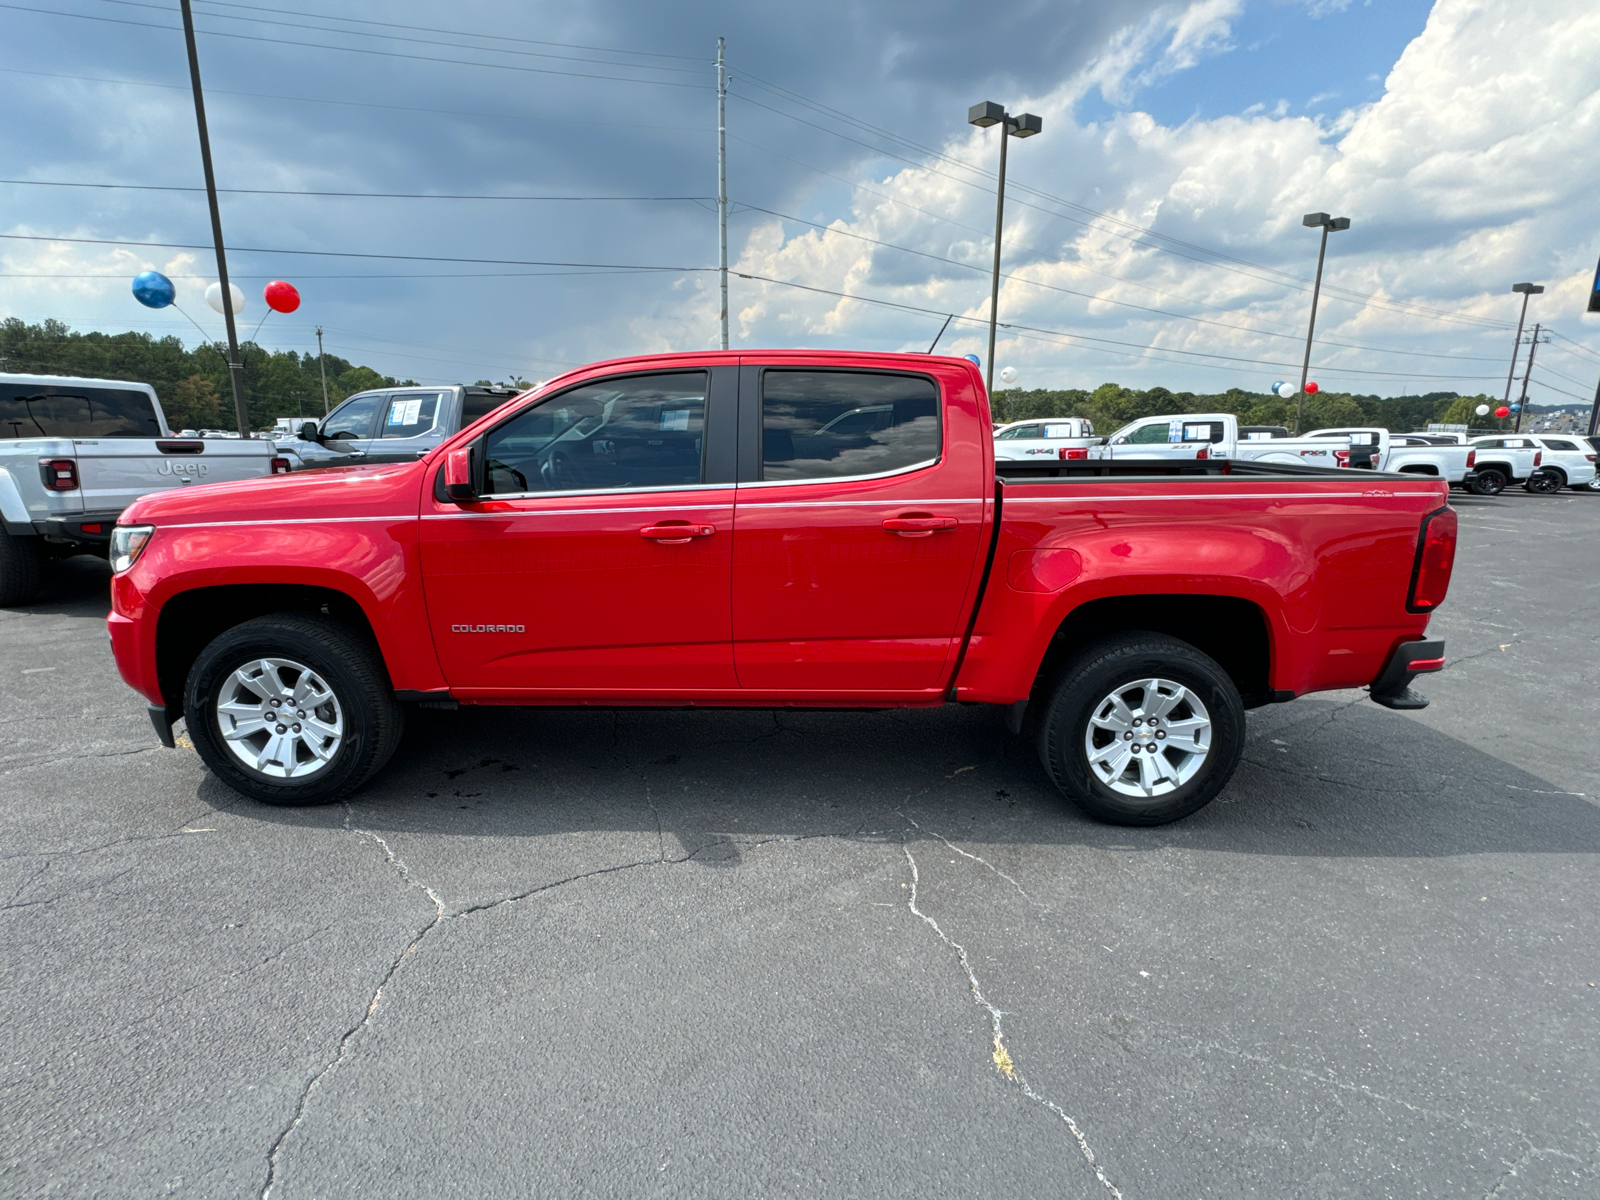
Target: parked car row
{"x":1485,"y":466}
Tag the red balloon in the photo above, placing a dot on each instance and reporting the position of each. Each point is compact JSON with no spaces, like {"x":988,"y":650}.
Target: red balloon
{"x":1502,"y":411}
{"x":1311,"y":389}
{"x":281,"y":296}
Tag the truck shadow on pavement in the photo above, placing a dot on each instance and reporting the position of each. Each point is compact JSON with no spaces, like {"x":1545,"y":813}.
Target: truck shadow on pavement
{"x":1318,"y":779}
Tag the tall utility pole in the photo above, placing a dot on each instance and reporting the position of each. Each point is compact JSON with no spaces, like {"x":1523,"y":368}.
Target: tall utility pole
{"x":1522,"y":404}
{"x":722,"y":184}
{"x":1527,"y":290}
{"x":1329,"y":225}
{"x":322,"y":367}
{"x":1022,"y":125}
{"x":1594,"y":412}
{"x":235,"y":367}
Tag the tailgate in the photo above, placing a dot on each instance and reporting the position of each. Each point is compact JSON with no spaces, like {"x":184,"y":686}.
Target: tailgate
{"x":117,"y":471}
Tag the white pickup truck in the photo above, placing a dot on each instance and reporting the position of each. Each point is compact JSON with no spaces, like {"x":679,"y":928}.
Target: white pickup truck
{"x":75,"y":452}
{"x":1218,"y":435}
{"x":1042,"y":440}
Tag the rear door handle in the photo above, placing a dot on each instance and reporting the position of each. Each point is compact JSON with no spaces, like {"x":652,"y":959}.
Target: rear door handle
{"x":919,"y":526}
{"x":676,"y":533}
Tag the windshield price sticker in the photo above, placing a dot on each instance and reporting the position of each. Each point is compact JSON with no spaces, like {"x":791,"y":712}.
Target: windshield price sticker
{"x":1174,"y":431}
{"x":675,"y":420}
{"x":1197,"y":433}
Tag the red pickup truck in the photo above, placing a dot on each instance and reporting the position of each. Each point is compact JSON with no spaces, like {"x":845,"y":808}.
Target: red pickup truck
{"x":774,"y":529}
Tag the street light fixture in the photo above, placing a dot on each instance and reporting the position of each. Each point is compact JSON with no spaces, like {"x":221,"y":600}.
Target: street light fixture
{"x":1328,"y":225}
{"x":1023,"y":125}
{"x":1526,"y":290}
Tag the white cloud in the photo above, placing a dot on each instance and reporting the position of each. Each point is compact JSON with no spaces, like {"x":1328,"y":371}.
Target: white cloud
{"x":1473,"y":170}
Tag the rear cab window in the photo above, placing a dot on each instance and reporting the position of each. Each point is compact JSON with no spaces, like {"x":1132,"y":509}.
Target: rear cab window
{"x":846,"y":424}
{"x":71,"y":411}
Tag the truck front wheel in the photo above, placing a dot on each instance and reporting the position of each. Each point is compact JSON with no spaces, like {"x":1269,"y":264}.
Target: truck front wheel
{"x":1142,"y":729}
{"x":292,"y":709}
{"x":19,"y":569}
{"x":1491,"y":481}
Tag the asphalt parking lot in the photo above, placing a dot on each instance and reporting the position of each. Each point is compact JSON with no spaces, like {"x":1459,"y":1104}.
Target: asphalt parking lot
{"x":742,"y":954}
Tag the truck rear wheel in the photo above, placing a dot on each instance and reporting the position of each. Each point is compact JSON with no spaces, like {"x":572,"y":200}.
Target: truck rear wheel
{"x":1142,"y":729}
{"x":1490,"y":481}
{"x":292,"y":709}
{"x":19,"y":569}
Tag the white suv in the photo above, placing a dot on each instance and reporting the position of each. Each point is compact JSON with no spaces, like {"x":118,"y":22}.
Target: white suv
{"x":1573,"y":458}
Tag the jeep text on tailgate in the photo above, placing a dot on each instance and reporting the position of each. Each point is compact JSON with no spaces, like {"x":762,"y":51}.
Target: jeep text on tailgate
{"x":775,"y":529}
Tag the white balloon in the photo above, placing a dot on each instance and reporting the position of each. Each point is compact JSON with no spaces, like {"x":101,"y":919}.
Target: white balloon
{"x":1287,"y":390}
{"x":1008,"y":374}
{"x":214,"y":297}
{"x":1482,"y":410}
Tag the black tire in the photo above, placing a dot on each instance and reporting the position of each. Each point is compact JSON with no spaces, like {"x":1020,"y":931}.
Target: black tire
{"x":1546,"y":483}
{"x":19,"y":569}
{"x":354,"y":674}
{"x":1088,"y":682}
{"x":1490,"y":482}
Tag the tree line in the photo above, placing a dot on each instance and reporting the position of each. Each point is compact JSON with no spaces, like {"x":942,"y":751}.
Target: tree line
{"x":192,"y":384}
{"x":1111,"y":406}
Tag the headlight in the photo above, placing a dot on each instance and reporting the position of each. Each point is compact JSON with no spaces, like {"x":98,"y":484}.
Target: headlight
{"x":127,"y":543}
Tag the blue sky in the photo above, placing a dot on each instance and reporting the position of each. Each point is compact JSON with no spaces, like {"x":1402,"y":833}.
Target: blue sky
{"x":1214,"y":122}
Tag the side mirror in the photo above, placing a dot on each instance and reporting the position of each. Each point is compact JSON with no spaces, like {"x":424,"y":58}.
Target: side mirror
{"x":308,"y":432}
{"x":458,"y":476}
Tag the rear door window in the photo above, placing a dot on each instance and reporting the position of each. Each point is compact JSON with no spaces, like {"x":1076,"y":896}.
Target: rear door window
{"x":65,"y":410}
{"x":1560,"y":444}
{"x":844,"y":424}
{"x":409,"y":415}
{"x":643,"y":431}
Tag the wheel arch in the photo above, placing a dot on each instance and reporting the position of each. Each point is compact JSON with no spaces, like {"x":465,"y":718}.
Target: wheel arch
{"x":191,"y":619}
{"x":1229,"y":629}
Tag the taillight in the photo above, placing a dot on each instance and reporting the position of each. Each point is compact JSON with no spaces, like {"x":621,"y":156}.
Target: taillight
{"x":1436,"y":558}
{"x":1203,"y":452}
{"x":1538,"y":457}
{"x":280,"y":466}
{"x":1074,"y":452}
{"x":59,"y":474}
{"x":1342,"y":457}
{"x":1472,"y":459}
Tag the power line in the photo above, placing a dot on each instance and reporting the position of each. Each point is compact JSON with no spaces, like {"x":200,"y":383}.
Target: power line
{"x":496,"y":262}
{"x":1578,"y":346}
{"x":454,"y":32}
{"x":443,"y":112}
{"x":400,"y":38}
{"x":151,"y":187}
{"x":302,"y":44}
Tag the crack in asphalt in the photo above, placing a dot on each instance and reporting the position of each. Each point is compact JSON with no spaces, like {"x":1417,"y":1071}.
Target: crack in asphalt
{"x":1003,"y":1061}
{"x":1021,"y":891}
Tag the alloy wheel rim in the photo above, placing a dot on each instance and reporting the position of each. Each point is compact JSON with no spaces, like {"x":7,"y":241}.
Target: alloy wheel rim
{"x":279,"y":718}
{"x":1147,"y":738}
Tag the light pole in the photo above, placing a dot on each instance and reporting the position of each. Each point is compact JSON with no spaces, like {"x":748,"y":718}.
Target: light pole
{"x":322,"y":368}
{"x":1328,"y":225}
{"x":1527,"y":290}
{"x":722,"y":184}
{"x":1023,"y":125}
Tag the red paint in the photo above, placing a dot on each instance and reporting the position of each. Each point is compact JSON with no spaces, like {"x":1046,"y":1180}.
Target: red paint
{"x":815,"y":592}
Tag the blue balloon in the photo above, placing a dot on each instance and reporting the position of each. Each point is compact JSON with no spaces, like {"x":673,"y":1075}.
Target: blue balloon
{"x":973,"y":359}
{"x":1516,"y":408}
{"x":153,"y":289}
{"x":1276,"y":384}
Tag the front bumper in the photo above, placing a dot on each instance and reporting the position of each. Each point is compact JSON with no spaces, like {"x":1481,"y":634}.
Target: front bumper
{"x":1392,"y":687}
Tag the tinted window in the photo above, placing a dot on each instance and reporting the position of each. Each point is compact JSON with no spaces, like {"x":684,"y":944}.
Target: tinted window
{"x":639,"y":431}
{"x":1148,"y":435}
{"x":409,"y":415}
{"x":1023,"y":431}
{"x":831,"y":424}
{"x":1560,"y":444}
{"x":475,"y":404}
{"x":29,"y":410}
{"x":1490,"y":444}
{"x":352,"y":420}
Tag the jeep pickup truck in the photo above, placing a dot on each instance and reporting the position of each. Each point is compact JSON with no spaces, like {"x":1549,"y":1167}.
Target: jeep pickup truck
{"x":700,"y":530}
{"x":75,"y":452}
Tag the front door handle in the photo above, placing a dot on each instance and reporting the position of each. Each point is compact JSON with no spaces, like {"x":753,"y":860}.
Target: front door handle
{"x":676,"y":533}
{"x":919,"y":525}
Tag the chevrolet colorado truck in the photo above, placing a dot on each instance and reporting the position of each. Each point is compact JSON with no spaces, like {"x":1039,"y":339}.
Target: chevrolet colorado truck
{"x":699,"y":529}
{"x":75,"y":452}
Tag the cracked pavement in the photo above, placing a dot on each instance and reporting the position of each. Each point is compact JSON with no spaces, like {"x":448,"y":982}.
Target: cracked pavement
{"x":737,"y":954}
